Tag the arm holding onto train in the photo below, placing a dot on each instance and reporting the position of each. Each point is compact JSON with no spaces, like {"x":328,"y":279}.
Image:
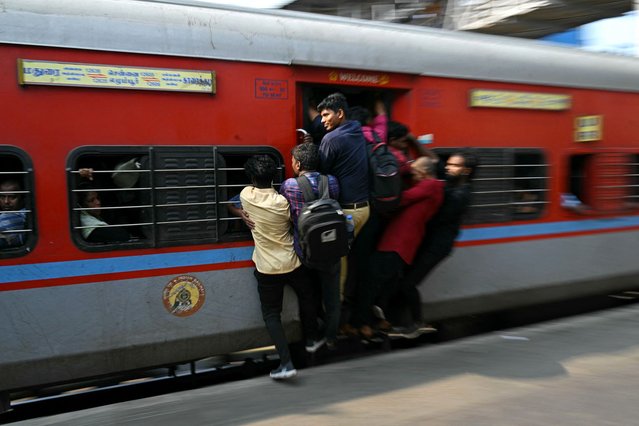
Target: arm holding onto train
{"x":573,"y":203}
{"x":419,"y":148}
{"x":316,"y":129}
{"x":236,"y":210}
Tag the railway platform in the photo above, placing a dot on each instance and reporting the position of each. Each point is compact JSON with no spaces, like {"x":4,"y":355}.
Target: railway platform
{"x":582,"y":370}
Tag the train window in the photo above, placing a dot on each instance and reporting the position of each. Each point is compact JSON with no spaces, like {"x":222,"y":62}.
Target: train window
{"x":633,"y":193}
{"x":602,"y":182}
{"x":509,"y":184}
{"x":17,"y":206}
{"x":128,"y":197}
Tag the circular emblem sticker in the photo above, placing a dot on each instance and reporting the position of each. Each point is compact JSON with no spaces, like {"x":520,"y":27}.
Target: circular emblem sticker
{"x":183,"y":296}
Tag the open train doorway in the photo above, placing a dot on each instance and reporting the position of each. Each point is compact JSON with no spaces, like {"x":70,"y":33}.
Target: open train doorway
{"x":357,"y":96}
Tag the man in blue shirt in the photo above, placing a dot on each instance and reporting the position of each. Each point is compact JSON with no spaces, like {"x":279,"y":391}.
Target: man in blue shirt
{"x":343,"y":154}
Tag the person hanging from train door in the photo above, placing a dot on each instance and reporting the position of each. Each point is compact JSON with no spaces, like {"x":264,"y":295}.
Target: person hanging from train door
{"x":404,"y":146}
{"x":439,"y":240}
{"x":305,"y":162}
{"x":357,"y":291}
{"x":402,"y":236}
{"x":374,"y":127}
{"x":276,"y":263}
{"x":343,"y":154}
{"x":13,"y":214}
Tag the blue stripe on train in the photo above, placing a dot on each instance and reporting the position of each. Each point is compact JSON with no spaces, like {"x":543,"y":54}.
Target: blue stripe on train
{"x":539,"y":229}
{"x":79,"y":268}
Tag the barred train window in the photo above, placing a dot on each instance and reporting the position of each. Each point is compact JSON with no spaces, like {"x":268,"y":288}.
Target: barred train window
{"x":602,"y":182}
{"x":17,"y":207}
{"x":128,"y":197}
{"x":633,"y":193}
{"x":509,"y":184}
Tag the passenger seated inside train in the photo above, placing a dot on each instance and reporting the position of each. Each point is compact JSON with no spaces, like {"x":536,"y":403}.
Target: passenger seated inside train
{"x":13,"y":214}
{"x":94,"y":228}
{"x":122,"y":175}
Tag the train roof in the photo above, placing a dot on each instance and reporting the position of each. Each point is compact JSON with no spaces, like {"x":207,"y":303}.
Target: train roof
{"x":197,"y":29}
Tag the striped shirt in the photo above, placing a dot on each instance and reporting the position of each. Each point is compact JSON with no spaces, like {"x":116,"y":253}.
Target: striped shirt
{"x":291,"y":190}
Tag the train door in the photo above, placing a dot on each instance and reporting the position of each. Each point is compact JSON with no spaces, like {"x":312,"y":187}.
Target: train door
{"x":357,"y":96}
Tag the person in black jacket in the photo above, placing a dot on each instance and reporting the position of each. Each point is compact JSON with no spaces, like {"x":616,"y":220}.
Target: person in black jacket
{"x":443,"y":229}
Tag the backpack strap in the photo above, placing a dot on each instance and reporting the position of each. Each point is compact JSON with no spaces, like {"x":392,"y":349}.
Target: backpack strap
{"x":322,"y":187}
{"x":307,"y":190}
{"x":376,"y":137}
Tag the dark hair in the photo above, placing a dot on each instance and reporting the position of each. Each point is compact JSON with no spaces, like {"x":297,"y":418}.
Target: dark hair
{"x":13,"y":181}
{"x":308,"y":156}
{"x":470,"y":160}
{"x":396,"y":130}
{"x":261,"y":170}
{"x":360,"y":114}
{"x":334,"y":102}
{"x":86,"y":187}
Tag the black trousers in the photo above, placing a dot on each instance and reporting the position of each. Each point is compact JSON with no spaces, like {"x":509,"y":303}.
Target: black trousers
{"x":271,"y":290}
{"x":424,"y":263}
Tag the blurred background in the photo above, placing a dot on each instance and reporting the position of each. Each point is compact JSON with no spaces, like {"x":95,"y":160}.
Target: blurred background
{"x":599,"y":25}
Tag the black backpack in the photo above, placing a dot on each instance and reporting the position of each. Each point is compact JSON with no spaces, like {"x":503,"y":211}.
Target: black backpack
{"x":385,"y":180}
{"x":321,"y":225}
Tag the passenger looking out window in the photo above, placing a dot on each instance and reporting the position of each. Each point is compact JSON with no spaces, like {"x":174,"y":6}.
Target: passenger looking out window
{"x":94,"y":228}
{"x":13,"y":215}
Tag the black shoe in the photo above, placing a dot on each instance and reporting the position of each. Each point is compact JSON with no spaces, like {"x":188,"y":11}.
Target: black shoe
{"x":384,"y":326}
{"x":331,"y":345}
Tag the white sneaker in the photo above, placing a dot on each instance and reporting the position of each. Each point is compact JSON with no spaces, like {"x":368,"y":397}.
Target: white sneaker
{"x":284,"y":372}
{"x":313,"y":346}
{"x":425,"y":328}
{"x":378,"y":312}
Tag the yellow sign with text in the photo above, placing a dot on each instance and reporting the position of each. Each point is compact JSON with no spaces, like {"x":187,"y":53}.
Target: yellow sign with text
{"x":519,"y":100}
{"x":589,"y":128}
{"x":114,"y":77}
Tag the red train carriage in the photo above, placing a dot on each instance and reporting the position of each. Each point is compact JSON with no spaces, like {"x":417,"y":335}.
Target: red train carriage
{"x":165,"y":102}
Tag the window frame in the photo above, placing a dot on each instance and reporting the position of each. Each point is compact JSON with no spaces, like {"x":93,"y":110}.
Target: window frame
{"x":28,"y":181}
{"x":155,"y":233}
{"x":494,"y":186}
